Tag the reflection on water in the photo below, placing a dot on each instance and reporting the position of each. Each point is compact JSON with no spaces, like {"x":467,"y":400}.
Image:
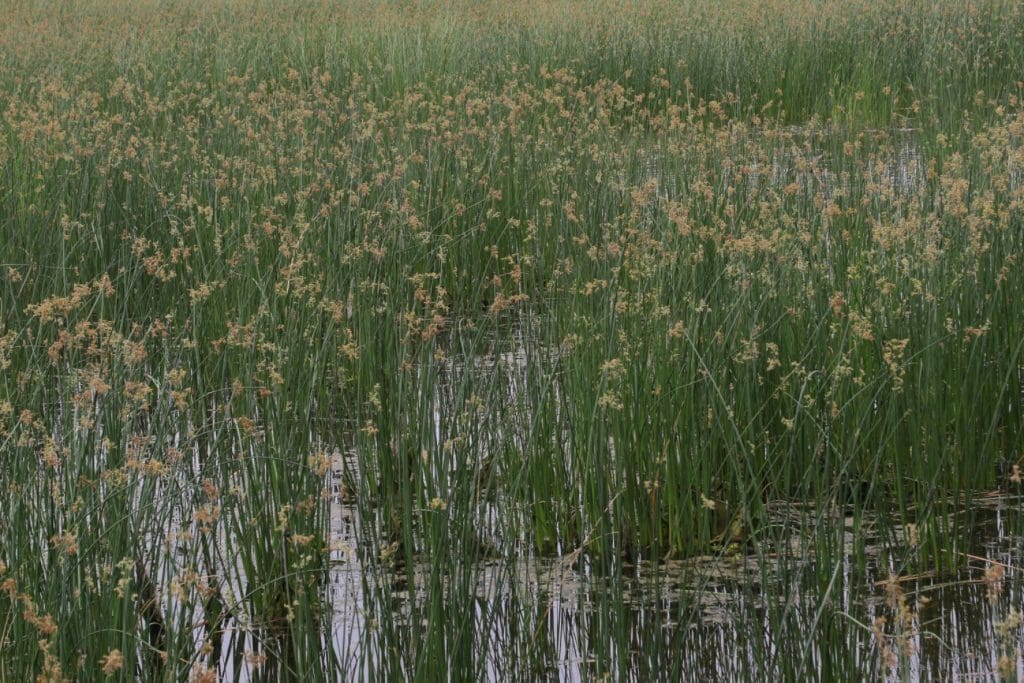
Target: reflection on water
{"x":766,"y":613}
{"x":811,"y":160}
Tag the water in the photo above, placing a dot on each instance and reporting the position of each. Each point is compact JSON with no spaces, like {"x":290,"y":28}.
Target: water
{"x":740,"y":614}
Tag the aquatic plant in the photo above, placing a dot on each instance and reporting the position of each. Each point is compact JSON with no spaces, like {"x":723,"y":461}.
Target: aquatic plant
{"x":452,"y":300}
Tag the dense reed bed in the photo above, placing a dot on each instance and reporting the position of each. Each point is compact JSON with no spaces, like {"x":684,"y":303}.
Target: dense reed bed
{"x":430,"y":295}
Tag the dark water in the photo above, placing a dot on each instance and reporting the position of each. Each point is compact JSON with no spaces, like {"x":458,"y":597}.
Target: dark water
{"x":863,"y":612}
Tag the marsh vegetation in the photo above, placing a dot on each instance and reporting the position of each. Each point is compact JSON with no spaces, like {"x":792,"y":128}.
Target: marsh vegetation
{"x":563,"y":340}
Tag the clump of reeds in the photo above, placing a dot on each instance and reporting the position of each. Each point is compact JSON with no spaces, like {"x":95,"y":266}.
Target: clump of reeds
{"x":584,"y":284}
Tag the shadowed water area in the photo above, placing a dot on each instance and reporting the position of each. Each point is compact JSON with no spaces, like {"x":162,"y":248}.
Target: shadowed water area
{"x":736,"y":615}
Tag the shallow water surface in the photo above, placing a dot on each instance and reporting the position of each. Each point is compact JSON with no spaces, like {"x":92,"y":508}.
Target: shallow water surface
{"x":746,"y":613}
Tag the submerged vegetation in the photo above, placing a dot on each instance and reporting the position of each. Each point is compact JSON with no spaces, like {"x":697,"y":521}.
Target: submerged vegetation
{"x":331,"y":331}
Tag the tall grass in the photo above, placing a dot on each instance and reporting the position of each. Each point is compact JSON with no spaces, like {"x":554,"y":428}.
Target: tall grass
{"x":605,"y":287}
